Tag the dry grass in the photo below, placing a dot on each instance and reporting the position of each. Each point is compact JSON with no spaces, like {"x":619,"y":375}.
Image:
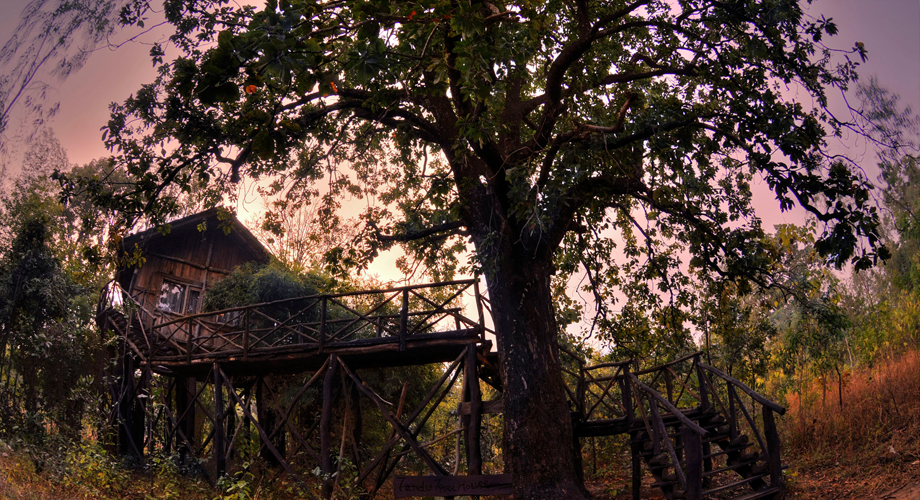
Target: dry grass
{"x":865,"y":448}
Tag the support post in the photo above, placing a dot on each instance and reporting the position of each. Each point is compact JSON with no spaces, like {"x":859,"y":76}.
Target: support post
{"x":626,"y":390}
{"x":325,"y":427}
{"x":773,"y":448}
{"x":474,"y":449}
{"x":704,"y":405}
{"x":693,"y":470}
{"x":220,"y":452}
{"x":482,"y":321}
{"x":322,"y":323}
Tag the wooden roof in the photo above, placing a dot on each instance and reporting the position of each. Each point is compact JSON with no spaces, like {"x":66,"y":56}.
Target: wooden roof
{"x":180,"y":228}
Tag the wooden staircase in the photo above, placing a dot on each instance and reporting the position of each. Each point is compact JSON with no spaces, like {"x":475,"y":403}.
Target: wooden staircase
{"x":687,"y":424}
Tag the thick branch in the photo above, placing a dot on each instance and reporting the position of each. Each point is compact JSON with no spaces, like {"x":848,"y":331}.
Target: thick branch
{"x":440,"y":230}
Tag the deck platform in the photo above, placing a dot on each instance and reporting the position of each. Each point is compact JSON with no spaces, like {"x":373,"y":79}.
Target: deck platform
{"x":385,"y":352}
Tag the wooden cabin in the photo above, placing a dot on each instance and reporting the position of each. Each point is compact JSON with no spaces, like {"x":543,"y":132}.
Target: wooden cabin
{"x":179,"y":266}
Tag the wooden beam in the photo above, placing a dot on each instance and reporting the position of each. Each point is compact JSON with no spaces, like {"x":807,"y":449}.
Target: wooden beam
{"x":693,"y":468}
{"x":190,"y":263}
{"x":773,"y":449}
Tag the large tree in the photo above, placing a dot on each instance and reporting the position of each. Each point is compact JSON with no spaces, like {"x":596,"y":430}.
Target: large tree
{"x":548,"y":136}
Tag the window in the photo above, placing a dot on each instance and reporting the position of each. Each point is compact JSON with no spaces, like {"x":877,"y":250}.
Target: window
{"x":191,"y":306}
{"x":178,"y":298}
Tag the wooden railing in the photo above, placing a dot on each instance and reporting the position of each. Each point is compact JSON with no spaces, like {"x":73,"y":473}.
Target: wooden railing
{"x":302,"y":323}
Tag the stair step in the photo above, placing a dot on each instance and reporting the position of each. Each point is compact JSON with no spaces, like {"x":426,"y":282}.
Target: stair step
{"x":725,"y":452}
{"x":730,"y":467}
{"x":760,"y":494}
{"x":647,"y":452}
{"x":735,"y":484}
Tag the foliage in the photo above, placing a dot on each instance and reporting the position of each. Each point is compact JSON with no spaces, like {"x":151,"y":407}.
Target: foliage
{"x":49,"y":282}
{"x":91,"y":468}
{"x":252,"y":283}
{"x":299,"y":232}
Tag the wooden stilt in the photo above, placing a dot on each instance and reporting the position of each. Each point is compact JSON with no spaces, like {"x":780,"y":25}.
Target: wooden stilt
{"x":325,"y":427}
{"x":191,"y":390}
{"x":357,"y":427}
{"x":220,"y":457}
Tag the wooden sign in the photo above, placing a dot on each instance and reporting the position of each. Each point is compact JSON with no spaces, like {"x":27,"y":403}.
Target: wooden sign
{"x":448,"y":486}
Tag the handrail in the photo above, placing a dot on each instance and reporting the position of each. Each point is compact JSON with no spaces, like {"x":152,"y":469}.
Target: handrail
{"x":571,"y":354}
{"x":609,"y":364}
{"x":669,"y":363}
{"x":317,"y":297}
{"x":667,"y":404}
{"x":750,"y":392}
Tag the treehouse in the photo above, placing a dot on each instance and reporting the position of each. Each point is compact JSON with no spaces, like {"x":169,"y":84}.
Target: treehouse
{"x":209,"y":387}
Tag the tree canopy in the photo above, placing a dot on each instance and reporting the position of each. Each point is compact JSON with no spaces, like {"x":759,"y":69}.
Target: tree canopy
{"x":547,"y":136}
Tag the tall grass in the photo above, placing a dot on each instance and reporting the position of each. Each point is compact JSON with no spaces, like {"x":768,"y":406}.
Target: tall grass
{"x":878,"y":420}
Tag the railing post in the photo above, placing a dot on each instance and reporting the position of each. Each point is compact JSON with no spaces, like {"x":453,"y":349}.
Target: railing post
{"x":188,"y":344}
{"x":322,"y":323}
{"x":704,"y":390}
{"x":773,"y":448}
{"x":732,"y":412}
{"x":704,"y":405}
{"x":404,"y":319}
{"x":246,"y":335}
{"x":482,"y":319}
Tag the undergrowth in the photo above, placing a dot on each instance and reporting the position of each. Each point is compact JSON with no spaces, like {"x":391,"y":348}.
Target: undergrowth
{"x":871,"y":440}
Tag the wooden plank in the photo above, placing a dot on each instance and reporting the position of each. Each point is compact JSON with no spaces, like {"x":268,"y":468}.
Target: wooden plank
{"x":444,"y":486}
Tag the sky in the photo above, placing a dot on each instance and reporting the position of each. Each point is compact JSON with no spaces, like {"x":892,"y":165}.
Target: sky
{"x":890,"y":30}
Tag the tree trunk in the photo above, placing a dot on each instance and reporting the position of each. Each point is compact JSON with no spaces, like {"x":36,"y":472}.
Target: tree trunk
{"x":538,"y":429}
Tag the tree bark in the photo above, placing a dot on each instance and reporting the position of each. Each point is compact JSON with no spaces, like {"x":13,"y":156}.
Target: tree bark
{"x":538,"y":427}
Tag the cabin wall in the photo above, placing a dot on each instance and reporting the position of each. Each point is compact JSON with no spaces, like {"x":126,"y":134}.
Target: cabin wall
{"x":190,"y":259}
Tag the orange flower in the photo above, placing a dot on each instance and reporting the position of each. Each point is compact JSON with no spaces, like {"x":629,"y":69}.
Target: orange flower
{"x":411,"y":15}
{"x":334,"y":89}
{"x":251,"y":89}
